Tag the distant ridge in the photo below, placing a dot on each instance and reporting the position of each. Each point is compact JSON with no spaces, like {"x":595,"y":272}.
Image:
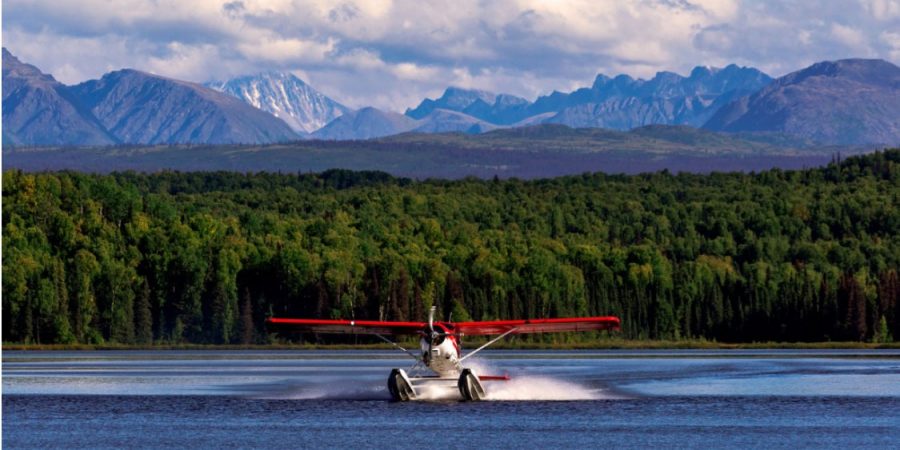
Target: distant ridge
{"x":502,"y":109}
{"x":365,"y":123}
{"x":453,"y":99}
{"x":619,"y":103}
{"x":624,"y":103}
{"x":538,"y":151}
{"x":556,"y":139}
{"x":443,"y":120}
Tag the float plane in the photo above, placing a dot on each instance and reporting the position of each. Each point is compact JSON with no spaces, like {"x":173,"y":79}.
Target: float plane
{"x":440,"y":346}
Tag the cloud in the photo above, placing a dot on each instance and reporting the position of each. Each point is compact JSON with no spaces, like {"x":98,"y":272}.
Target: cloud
{"x":848,"y":36}
{"x":892,"y":41}
{"x":392,"y":53}
{"x":882,"y":10}
{"x":286,"y":51}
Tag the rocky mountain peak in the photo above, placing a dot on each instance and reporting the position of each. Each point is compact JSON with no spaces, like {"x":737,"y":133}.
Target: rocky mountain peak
{"x":454,"y":99}
{"x":285,"y":96}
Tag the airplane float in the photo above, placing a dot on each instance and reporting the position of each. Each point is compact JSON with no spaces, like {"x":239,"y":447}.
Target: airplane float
{"x":440,"y":346}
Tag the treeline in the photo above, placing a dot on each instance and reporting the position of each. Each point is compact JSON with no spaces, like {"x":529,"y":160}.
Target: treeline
{"x":807,"y":255}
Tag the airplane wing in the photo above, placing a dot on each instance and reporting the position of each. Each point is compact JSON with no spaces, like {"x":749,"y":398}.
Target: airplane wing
{"x":537,"y":325}
{"x":346,"y":326}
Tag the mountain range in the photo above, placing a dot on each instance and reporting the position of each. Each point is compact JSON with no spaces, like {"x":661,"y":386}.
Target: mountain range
{"x":619,"y":103}
{"x":846,"y":102}
{"x":126,"y":107}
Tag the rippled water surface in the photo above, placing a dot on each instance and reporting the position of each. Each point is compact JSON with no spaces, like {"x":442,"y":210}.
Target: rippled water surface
{"x":338,"y":399}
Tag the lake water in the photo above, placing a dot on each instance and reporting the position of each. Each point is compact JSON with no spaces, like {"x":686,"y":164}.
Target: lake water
{"x":555,"y":399}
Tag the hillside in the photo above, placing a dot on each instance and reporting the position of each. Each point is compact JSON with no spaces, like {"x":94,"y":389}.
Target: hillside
{"x":528,"y":152}
{"x":38,"y":110}
{"x":365,"y":123}
{"x":143,"y":108}
{"x":851,"y":101}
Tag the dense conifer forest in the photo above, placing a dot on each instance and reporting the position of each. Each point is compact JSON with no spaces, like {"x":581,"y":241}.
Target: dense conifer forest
{"x":202,"y":257}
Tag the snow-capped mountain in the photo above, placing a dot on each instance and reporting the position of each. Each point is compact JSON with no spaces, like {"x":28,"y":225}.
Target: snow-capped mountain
{"x":285,"y":96}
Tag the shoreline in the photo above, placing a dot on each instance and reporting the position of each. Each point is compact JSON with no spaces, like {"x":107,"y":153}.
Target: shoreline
{"x":600,"y":345}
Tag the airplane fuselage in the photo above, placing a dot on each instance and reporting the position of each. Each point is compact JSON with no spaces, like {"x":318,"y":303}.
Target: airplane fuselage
{"x":442,"y":355}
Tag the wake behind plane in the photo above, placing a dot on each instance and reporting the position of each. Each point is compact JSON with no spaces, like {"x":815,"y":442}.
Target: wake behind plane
{"x":441,"y":352}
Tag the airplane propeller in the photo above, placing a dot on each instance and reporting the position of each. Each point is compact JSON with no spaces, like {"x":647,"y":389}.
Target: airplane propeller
{"x":434,"y":336}
{"x":431,"y":319}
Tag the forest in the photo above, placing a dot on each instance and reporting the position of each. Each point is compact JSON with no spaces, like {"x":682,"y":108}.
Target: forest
{"x":205,"y":257}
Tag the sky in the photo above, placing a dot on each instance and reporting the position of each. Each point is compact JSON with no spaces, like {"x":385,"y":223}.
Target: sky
{"x":392,"y":54}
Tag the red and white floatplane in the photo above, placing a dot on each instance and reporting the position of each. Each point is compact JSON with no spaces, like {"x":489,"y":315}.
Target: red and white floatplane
{"x":440,"y":346}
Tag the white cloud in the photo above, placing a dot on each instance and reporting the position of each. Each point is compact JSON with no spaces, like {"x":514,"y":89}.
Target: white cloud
{"x":392,"y":53}
{"x":892,"y":40}
{"x":415,"y":72}
{"x":189,"y":62}
{"x":848,"y":36}
{"x":882,"y":9}
{"x":279,"y":50}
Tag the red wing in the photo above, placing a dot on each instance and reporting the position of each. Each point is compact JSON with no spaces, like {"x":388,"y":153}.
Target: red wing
{"x":537,"y":325}
{"x":346,"y":326}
